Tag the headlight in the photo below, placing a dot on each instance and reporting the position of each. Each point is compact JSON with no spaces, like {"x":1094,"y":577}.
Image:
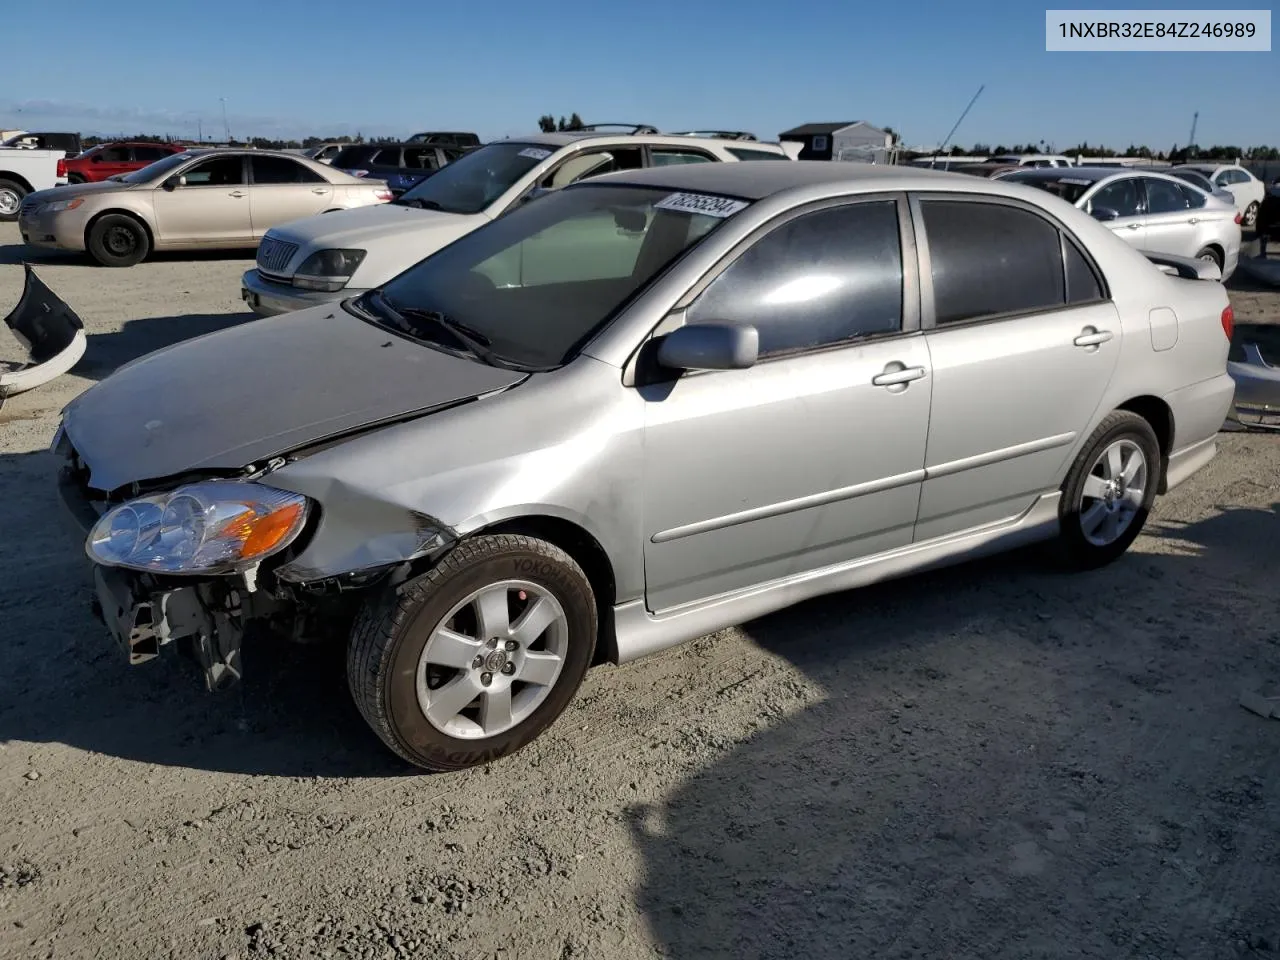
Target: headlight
{"x":219,"y":526}
{"x":328,"y":269}
{"x":57,"y":206}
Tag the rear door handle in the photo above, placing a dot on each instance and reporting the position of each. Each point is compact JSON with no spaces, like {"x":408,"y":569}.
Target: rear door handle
{"x":1093,"y":339}
{"x":1194,"y":220}
{"x":1134,"y":226}
{"x":235,"y":193}
{"x":323,"y":190}
{"x":891,"y":378}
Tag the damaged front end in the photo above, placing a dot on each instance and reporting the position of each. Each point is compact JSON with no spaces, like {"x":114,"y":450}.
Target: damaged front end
{"x":210,"y":615}
{"x":1252,"y":365}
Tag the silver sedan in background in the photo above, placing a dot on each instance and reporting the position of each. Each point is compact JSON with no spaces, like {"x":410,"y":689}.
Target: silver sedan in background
{"x":1154,"y":212}
{"x":639,"y":410}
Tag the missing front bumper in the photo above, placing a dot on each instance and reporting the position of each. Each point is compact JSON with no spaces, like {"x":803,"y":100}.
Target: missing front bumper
{"x":142,"y":621}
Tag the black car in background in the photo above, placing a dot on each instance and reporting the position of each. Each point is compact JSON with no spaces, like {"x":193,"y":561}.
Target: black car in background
{"x":401,"y":165}
{"x":446,"y":139}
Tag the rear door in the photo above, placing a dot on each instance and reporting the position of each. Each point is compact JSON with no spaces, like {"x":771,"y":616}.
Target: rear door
{"x":1023,"y":341}
{"x":1174,"y":216}
{"x":112,"y":161}
{"x":1121,"y":206}
{"x":211,"y":207}
{"x":282,"y":190}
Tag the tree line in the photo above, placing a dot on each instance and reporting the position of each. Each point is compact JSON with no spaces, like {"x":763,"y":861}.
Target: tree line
{"x":548,"y":123}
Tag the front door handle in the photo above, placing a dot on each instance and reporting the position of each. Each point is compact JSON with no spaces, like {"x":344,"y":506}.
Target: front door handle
{"x":891,"y":378}
{"x":235,"y":193}
{"x":1194,"y":220}
{"x":1092,"y":339}
{"x":1134,"y":226}
{"x":322,"y":190}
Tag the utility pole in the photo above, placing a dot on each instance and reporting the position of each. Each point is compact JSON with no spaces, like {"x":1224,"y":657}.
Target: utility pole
{"x":226,"y":129}
{"x":1191,"y":141}
{"x":943,"y":148}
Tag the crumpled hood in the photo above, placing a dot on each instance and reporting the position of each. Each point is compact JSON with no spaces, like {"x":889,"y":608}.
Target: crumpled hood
{"x":227,"y":399}
{"x":395,"y":237}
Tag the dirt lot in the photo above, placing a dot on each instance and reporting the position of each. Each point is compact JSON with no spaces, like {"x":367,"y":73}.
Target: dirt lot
{"x":993,"y":761}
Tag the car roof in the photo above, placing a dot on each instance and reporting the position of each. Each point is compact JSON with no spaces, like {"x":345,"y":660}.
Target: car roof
{"x":565,"y":138}
{"x":758,"y":179}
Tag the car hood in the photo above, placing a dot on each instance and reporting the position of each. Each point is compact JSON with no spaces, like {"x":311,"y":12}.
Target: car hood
{"x":394,"y":237}
{"x":71,"y":190}
{"x":258,"y":390}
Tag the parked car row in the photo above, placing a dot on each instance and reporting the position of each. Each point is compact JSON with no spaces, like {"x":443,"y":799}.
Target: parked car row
{"x":674,"y":393}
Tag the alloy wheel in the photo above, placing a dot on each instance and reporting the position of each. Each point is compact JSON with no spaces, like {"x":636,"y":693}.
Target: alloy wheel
{"x":1113,"y":493}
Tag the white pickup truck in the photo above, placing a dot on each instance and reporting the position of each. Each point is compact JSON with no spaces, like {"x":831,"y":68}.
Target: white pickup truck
{"x":24,"y":171}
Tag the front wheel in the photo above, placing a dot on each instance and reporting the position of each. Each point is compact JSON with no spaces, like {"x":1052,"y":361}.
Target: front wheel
{"x":1210,"y":255}
{"x":118,"y":240}
{"x":1250,"y":218}
{"x":478,"y":656}
{"x":1109,"y":491}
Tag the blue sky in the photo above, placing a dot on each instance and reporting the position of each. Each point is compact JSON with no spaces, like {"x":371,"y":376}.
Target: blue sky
{"x":289,"y":68}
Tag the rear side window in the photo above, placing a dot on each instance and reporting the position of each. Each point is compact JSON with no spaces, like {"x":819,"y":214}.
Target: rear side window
{"x":666,"y":156}
{"x":1164,"y":197}
{"x":823,"y":278}
{"x":280,"y":170}
{"x":991,"y":259}
{"x":744,"y":154}
{"x":1121,"y":195}
{"x":1083,"y":285}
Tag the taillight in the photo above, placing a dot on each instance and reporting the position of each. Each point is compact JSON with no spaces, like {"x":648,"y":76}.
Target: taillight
{"x":1239,"y":219}
{"x":1228,"y":322}
{"x":384,"y":195}
{"x":62,"y":168}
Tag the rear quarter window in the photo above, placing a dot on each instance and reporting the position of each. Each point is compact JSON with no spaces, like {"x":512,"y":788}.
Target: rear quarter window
{"x":743,"y":153}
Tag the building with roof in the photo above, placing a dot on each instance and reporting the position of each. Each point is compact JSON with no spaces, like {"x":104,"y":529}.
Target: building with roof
{"x":854,"y":140}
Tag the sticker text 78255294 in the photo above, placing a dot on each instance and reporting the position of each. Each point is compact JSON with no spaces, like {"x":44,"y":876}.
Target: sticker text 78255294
{"x":700,"y":203}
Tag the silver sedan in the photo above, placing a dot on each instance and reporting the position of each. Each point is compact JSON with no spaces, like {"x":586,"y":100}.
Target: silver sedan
{"x":637,"y":411}
{"x":1151,"y":211}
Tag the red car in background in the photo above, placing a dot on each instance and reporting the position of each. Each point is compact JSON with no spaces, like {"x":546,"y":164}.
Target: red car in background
{"x":111,"y":159}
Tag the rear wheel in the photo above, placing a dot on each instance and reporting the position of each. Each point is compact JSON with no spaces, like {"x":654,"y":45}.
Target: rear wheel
{"x":11,"y":195}
{"x":1109,"y":491}
{"x":75,"y":178}
{"x":1250,"y":217}
{"x":118,"y":240}
{"x":475,"y":658}
{"x":1210,"y":255}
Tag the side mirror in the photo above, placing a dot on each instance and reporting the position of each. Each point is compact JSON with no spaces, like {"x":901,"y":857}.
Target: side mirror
{"x":1105,"y":213}
{"x":174,"y":182}
{"x":710,"y":346}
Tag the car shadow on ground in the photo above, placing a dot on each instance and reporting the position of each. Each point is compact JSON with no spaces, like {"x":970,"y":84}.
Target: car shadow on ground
{"x":105,"y":352}
{"x":1005,"y":761}
{"x":16,"y":254}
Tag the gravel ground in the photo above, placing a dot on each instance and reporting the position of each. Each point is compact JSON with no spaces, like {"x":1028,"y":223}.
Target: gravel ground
{"x":991,"y":761}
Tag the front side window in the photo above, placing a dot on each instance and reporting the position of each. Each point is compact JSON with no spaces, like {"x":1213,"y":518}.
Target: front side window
{"x":150,"y":154}
{"x":216,"y":172}
{"x":477,"y":179}
{"x":276,"y":170}
{"x":535,"y":284}
{"x":1121,"y":197}
{"x":991,"y":259}
{"x":824,"y":278}
{"x":115,"y":155}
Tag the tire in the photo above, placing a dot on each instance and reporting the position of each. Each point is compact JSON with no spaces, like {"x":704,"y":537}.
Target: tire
{"x":1250,"y":218}
{"x":1095,"y":531}
{"x":11,"y":195}
{"x":395,"y":657}
{"x":118,"y":240}
{"x":1212,"y":255}
{"x":74,"y":178}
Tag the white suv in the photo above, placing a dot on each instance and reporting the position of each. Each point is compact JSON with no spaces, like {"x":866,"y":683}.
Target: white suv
{"x":336,"y":255}
{"x":1237,"y":181}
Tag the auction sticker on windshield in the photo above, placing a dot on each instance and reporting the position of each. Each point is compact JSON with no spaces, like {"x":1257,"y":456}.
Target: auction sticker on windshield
{"x":700,"y":203}
{"x":534,"y":153}
{"x":1075,"y":182}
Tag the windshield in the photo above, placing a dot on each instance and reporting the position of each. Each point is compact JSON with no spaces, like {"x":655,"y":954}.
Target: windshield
{"x":157,"y":170}
{"x":475,"y":180}
{"x":1067,"y":187}
{"x":533,"y":286}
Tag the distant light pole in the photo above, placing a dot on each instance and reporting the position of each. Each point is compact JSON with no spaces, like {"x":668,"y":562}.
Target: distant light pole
{"x":226,"y":129}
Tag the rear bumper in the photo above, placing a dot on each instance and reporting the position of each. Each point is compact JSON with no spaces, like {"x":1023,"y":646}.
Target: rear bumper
{"x":1199,"y":411}
{"x":267,"y":298}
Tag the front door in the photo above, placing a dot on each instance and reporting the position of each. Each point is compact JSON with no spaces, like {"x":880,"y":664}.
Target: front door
{"x":284,"y":190}
{"x":210,"y":207}
{"x":1020,"y":356}
{"x":1121,"y":207}
{"x":814,"y":455}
